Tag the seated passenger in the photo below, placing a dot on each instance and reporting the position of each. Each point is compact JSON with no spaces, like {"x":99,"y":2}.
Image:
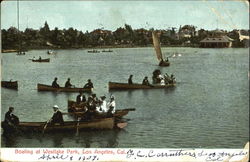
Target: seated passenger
{"x":54,"y":83}
{"x":68,"y":84}
{"x":10,"y":118}
{"x":57,"y":116}
{"x":80,"y":98}
{"x":89,"y":84}
{"x":111,"y":107}
{"x":145,"y":81}
{"x":130,"y":79}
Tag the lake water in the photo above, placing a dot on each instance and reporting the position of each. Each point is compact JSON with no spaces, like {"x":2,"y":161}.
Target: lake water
{"x":209,"y":108}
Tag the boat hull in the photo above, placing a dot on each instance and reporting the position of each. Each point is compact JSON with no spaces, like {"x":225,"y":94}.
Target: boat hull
{"x":9,"y":84}
{"x":126,"y":86}
{"x":164,"y":63}
{"x":43,"y":87}
{"x":42,"y":60}
{"x":106,"y":123}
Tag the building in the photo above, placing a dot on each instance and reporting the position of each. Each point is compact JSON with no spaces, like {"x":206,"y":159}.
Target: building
{"x":244,"y":37}
{"x":216,"y":42}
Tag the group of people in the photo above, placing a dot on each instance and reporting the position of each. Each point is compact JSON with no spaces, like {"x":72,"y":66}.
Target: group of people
{"x":94,"y":105}
{"x":157,"y":78}
{"x":68,"y":84}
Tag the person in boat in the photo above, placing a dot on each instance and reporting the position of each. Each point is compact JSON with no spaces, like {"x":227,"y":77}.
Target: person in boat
{"x":54,"y":83}
{"x":57,"y":116}
{"x":40,"y":58}
{"x":10,"y":118}
{"x":145,"y":81}
{"x":103,"y":104}
{"x":89,"y":84}
{"x":80,"y":98}
{"x":91,"y":110}
{"x":130,"y":79}
{"x":111,"y":107}
{"x":172,"y":78}
{"x":156,"y":76}
{"x":68,"y":84}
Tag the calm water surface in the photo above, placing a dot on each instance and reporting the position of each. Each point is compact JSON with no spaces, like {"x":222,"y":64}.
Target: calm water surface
{"x":209,"y":107}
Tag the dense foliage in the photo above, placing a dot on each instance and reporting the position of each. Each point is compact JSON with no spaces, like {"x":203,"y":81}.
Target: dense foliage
{"x":123,"y":36}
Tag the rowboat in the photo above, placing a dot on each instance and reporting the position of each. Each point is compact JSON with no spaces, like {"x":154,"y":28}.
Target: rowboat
{"x":41,"y":60}
{"x":93,"y":51}
{"x":77,"y":110}
{"x":158,"y":52}
{"x":96,"y":124}
{"x":107,"y":50}
{"x":9,"y":84}
{"x":126,"y":86}
{"x":43,"y":87}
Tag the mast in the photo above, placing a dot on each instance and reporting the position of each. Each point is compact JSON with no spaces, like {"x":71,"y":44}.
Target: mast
{"x":157,"y":46}
{"x":18,"y":26}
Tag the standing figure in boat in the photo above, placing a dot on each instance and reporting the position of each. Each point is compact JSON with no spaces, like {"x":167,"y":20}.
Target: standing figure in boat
{"x":57,"y":116}
{"x":89,"y":84}
{"x":111,"y":107}
{"x":68,"y":84}
{"x":145,"y":81}
{"x":80,"y":98}
{"x":54,"y":83}
{"x":130,"y":79}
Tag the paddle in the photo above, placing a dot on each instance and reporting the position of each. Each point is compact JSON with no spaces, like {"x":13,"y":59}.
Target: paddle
{"x":45,"y":126}
{"x":77,"y":126}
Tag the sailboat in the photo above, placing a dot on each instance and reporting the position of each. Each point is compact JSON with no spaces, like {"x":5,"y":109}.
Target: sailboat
{"x":158,"y":52}
{"x":19,"y":51}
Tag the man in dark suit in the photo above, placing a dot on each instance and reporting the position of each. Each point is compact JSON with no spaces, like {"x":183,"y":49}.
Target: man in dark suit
{"x":57,"y":116}
{"x":80,"y":98}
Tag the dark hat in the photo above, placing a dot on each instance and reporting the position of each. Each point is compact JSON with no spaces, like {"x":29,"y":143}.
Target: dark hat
{"x":89,"y":79}
{"x":103,"y":97}
{"x":11,"y":108}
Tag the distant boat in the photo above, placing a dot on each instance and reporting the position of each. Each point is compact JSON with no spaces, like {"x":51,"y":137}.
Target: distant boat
{"x":9,"y":84}
{"x":158,"y":52}
{"x":126,"y":86}
{"x":20,"y":53}
{"x":41,"y":60}
{"x":93,"y":51}
{"x":43,"y":87}
{"x":107,"y":50}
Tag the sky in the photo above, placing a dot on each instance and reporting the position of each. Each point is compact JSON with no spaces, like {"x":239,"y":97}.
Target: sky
{"x":110,"y":15}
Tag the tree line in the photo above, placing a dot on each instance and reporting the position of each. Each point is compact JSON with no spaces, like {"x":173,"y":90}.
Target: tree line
{"x":122,"y":36}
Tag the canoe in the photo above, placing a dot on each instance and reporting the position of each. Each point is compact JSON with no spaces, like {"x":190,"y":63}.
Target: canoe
{"x":41,"y":60}
{"x":107,"y":51}
{"x":77,"y":111}
{"x":43,"y":87}
{"x":106,"y":123}
{"x":124,"y":86}
{"x":94,"y":51}
{"x":9,"y":84}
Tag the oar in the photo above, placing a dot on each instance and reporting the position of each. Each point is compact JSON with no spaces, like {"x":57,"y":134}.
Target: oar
{"x":45,"y":126}
{"x":77,"y":126}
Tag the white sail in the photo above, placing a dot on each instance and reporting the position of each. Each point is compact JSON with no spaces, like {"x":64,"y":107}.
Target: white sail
{"x":157,"y":46}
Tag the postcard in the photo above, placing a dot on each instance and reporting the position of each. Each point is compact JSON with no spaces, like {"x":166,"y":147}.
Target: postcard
{"x":125,"y":80}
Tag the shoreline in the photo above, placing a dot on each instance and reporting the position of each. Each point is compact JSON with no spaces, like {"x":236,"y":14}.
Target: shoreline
{"x":102,"y":47}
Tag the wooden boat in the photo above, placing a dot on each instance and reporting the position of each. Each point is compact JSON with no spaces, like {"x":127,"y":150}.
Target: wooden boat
{"x":107,"y":50}
{"x":106,"y":123}
{"x":43,"y":87}
{"x":157,"y":46}
{"x":94,"y":51}
{"x":77,"y":110}
{"x":9,"y":84}
{"x":41,"y":60}
{"x":126,"y":86}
